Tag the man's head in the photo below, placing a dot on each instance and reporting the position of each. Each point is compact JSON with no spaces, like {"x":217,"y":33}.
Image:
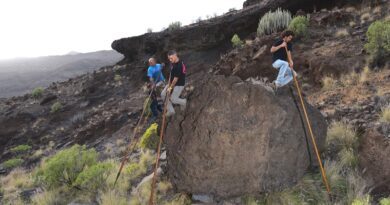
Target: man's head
{"x":287,"y":35}
{"x":172,"y":56}
{"x":152,"y":61}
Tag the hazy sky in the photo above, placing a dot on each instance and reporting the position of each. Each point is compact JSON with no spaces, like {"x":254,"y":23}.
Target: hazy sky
{"x":51,"y":27}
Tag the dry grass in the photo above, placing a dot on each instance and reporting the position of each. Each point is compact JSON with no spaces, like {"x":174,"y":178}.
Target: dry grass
{"x":348,"y":158}
{"x":14,"y":182}
{"x":350,"y":79}
{"x":364,"y":75}
{"x":341,"y":135}
{"x":112,"y":197}
{"x":365,"y":17}
{"x":46,"y":198}
{"x":342,"y":33}
{"x":329,"y":83}
{"x":120,"y":142}
{"x":164,"y":186}
{"x":377,"y":10}
{"x":385,"y":115}
{"x":350,"y":9}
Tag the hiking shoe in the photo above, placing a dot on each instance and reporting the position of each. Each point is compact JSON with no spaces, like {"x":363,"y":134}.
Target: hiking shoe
{"x":275,"y":86}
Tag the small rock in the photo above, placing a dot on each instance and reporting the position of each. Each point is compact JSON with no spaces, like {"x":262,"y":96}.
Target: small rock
{"x":202,"y":198}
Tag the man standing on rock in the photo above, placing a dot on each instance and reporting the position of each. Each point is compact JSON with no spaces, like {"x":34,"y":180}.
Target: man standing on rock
{"x":176,"y":84}
{"x":282,"y":59}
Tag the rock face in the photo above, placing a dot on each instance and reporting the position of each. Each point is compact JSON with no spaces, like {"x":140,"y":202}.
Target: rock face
{"x":238,"y":138}
{"x":207,"y":39}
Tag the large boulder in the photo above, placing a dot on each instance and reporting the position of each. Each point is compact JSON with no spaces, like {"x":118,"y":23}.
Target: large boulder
{"x":237,"y":138}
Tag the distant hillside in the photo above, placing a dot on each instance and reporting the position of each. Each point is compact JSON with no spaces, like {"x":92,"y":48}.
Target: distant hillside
{"x":19,"y":76}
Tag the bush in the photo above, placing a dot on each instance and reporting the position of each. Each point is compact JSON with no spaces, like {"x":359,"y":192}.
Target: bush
{"x":64,"y":167}
{"x":341,"y":135}
{"x":94,"y":177}
{"x":174,"y":26}
{"x":299,"y":25}
{"x":56,"y":107}
{"x":385,"y":115}
{"x":37,"y":92}
{"x":117,"y":77}
{"x":236,"y":41}
{"x":135,"y":170}
{"x":273,"y":22}
{"x":348,"y":158}
{"x":378,"y":44}
{"x":12,"y":163}
{"x":150,"y":139}
{"x":20,"y":148}
{"x":385,"y":201}
{"x":362,"y":201}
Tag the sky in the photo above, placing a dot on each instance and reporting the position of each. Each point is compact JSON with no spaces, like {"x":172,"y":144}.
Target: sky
{"x":31,"y":28}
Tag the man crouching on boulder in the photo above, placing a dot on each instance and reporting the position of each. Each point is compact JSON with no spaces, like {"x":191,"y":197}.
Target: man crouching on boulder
{"x":176,"y":84}
{"x":282,"y":60}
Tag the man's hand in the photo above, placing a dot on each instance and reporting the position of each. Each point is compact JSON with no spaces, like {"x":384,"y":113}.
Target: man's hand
{"x":283,"y":45}
{"x":169,"y":90}
{"x":291,"y":64}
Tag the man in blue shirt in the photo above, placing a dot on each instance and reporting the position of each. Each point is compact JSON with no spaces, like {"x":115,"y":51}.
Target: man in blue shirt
{"x":155,"y":74}
{"x":157,"y":80}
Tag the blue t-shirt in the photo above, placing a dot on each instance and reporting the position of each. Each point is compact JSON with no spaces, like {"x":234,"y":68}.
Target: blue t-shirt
{"x":155,"y":73}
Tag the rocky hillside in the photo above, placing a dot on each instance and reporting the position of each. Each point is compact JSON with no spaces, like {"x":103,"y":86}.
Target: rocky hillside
{"x":237,"y":142}
{"x":20,"y":76}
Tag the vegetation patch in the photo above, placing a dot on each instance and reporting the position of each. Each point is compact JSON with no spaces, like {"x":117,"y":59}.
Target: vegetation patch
{"x":37,"y":92}
{"x":21,"y":148}
{"x":56,"y":107}
{"x":12,"y":163}
{"x":273,"y":22}
{"x":150,"y":139}
{"x":299,"y":25}
{"x":236,"y":41}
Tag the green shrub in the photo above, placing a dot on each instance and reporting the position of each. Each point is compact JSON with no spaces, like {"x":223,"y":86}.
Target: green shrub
{"x":117,"y":77}
{"x":64,"y":167}
{"x":236,"y":41}
{"x":12,"y":163}
{"x":362,"y":201}
{"x":174,"y":26}
{"x":378,"y":44}
{"x":299,"y":25}
{"x":56,"y":107}
{"x":348,"y":158}
{"x":341,"y":135}
{"x":150,"y":139}
{"x":135,"y":170}
{"x":37,"y":92}
{"x":94,"y":177}
{"x":385,"y":201}
{"x":273,"y":22}
{"x":20,"y":148}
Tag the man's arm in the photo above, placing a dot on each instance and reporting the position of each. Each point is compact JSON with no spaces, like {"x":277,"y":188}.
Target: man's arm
{"x":172,"y":85}
{"x":276,"y":48}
